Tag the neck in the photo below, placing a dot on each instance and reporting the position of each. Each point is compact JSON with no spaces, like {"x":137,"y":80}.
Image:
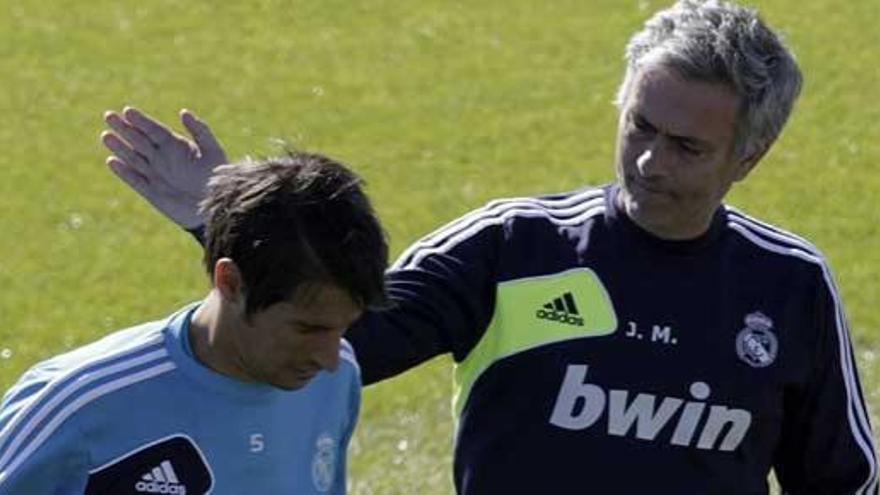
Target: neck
{"x":669,"y":231}
{"x":209,"y":338}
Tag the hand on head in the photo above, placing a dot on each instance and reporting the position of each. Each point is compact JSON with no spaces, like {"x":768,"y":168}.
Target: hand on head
{"x":167,"y":169}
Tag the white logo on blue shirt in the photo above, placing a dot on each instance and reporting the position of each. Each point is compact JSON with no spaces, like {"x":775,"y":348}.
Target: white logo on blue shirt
{"x":324,"y":463}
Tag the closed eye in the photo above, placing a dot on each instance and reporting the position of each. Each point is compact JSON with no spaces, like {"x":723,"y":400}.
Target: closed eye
{"x":314,"y":329}
{"x":689,"y":147}
{"x":643,"y":125}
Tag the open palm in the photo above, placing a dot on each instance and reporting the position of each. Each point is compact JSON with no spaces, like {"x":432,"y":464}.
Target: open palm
{"x":167,"y":169}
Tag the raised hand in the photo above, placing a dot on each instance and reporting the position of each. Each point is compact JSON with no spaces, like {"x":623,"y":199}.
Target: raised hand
{"x":167,"y":169}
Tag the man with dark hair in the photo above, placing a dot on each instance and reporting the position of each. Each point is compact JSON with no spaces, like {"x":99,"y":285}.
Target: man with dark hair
{"x":252,"y":390}
{"x":640,"y":337}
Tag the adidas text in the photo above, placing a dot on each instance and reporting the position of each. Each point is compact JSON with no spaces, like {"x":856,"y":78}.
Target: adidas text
{"x":580,"y":404}
{"x":158,"y":487}
{"x":559,"y":316}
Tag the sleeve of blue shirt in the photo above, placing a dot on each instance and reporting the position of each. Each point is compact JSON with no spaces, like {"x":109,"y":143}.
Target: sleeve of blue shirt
{"x":32,"y":463}
{"x":826,"y":444}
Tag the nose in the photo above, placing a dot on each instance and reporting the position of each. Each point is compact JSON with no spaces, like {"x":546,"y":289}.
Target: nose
{"x":327,"y":354}
{"x":653,"y":162}
{"x":642,"y":160}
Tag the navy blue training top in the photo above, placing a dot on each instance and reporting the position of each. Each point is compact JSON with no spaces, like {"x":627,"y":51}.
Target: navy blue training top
{"x":593,"y":357}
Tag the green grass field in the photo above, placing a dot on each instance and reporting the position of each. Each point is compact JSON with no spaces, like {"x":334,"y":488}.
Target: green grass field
{"x":440,"y":104}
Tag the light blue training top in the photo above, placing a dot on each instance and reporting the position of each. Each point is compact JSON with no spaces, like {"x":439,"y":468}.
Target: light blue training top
{"x":136,"y":413}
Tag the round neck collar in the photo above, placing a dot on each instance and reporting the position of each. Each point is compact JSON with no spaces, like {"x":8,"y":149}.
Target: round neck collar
{"x":180,"y":348}
{"x":618,"y":220}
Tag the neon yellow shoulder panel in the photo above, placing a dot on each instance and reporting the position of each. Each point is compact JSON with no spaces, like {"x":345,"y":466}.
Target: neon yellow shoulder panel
{"x":533,"y":312}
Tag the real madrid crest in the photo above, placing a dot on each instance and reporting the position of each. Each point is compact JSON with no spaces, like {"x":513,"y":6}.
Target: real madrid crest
{"x":756,"y":344}
{"x":324,"y":463}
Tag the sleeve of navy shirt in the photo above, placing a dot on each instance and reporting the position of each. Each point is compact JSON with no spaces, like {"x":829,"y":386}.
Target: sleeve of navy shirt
{"x":442,"y":292}
{"x":826,"y":440}
{"x":442,"y":296}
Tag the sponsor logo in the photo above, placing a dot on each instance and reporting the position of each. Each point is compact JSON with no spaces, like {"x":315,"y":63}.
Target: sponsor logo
{"x":162,"y":479}
{"x":324,"y":463}
{"x":756,"y":344}
{"x":699,"y":424}
{"x":172,"y":465}
{"x":562,"y":309}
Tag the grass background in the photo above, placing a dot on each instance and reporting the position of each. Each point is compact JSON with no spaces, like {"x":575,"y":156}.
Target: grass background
{"x":440,"y":104}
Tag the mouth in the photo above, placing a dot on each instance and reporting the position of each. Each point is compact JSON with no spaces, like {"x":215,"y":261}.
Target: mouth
{"x":306,"y":375}
{"x":294,"y":379}
{"x":643,"y":187}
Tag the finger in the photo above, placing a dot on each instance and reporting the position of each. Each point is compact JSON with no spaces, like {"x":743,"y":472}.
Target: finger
{"x":157,"y":133}
{"x":204,"y":138}
{"x":128,"y":175}
{"x":134,"y":137}
{"x":124,"y":153}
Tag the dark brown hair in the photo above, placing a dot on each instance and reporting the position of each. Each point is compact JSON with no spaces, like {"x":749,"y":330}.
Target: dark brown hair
{"x":291,"y":220}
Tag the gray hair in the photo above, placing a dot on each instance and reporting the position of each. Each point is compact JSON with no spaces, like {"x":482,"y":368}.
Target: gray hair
{"x":717,"y":41}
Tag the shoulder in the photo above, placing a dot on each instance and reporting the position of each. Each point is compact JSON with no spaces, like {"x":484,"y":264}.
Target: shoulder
{"x":500,"y":216}
{"x":769,"y":240}
{"x":135,"y":344}
{"x":110,"y":352}
{"x":347,"y":357}
{"x":52,"y":392}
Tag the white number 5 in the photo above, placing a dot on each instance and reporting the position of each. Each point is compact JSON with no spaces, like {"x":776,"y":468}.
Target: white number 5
{"x":257,"y":443}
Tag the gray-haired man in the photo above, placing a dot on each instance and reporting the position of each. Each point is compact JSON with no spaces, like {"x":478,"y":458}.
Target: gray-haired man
{"x":640,"y":337}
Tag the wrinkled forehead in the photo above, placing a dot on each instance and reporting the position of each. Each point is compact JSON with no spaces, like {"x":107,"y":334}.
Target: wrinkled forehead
{"x":681,"y":107}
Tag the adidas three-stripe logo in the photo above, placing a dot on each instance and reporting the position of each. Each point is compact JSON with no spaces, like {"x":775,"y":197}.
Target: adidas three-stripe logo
{"x":162,"y":479}
{"x":561,"y":309}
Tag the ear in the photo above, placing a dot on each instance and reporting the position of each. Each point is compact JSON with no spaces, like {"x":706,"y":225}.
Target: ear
{"x":228,"y":281}
{"x":748,"y":163}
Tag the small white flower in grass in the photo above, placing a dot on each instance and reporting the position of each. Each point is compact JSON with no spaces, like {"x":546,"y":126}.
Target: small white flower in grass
{"x":6,"y":353}
{"x":75,"y":221}
{"x":402,"y":445}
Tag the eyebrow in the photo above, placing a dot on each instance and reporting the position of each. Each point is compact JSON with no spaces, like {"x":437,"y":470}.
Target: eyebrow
{"x":676,"y":137}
